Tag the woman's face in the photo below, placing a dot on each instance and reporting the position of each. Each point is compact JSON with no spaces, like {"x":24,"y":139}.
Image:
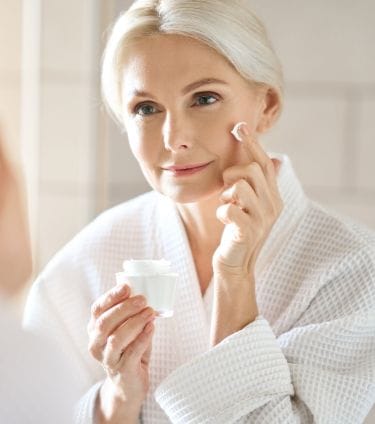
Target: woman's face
{"x":181,"y":99}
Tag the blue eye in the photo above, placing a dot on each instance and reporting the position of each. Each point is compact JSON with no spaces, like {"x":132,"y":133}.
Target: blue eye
{"x":206,"y":99}
{"x":145,"y":109}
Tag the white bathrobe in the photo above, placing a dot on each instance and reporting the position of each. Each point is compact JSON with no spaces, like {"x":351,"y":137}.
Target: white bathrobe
{"x":308,"y":357}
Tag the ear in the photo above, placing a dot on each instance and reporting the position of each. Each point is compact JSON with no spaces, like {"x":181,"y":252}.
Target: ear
{"x":270,"y":109}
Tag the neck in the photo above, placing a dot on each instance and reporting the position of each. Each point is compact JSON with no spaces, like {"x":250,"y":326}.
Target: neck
{"x":202,"y":227}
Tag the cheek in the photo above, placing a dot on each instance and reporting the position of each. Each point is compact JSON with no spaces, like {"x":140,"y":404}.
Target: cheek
{"x":141,"y":144}
{"x":220,"y":141}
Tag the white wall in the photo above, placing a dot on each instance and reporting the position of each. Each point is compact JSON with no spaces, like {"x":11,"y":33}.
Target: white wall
{"x":67,"y":99}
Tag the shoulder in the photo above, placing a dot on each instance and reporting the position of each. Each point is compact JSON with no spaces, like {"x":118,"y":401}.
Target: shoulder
{"x":342,"y":254}
{"x":340,"y":236}
{"x":132,"y":213}
{"x":326,"y":240}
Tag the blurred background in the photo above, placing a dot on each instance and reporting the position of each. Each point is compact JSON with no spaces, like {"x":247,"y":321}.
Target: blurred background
{"x":77,"y":163}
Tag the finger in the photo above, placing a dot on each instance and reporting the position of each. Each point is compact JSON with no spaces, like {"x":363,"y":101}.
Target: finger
{"x":233,"y":214}
{"x":140,"y":349}
{"x":240,"y":194}
{"x":255,"y":151}
{"x":251,"y":173}
{"x":110,"y":320}
{"x":124,"y":335}
{"x":109,"y":299}
{"x":277,"y":165}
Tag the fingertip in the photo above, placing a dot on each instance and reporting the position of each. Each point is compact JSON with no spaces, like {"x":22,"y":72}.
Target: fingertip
{"x":240,"y":130}
{"x":123,"y":289}
{"x":149,"y":327}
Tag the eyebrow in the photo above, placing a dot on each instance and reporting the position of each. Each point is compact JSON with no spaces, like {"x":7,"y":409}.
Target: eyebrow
{"x":187,"y":89}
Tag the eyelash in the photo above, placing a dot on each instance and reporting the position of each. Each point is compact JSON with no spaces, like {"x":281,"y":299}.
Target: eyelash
{"x":197,"y":97}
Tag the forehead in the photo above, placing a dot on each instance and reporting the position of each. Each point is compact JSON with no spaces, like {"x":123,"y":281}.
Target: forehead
{"x":172,"y":59}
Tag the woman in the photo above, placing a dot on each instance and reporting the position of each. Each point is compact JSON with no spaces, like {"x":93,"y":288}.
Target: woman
{"x":35,"y":383}
{"x":274,"y":316}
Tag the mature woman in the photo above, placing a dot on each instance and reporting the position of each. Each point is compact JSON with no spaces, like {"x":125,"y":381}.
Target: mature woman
{"x":274,"y":316}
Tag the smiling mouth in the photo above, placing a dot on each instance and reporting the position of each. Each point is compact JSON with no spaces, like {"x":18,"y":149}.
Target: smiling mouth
{"x":181,"y":170}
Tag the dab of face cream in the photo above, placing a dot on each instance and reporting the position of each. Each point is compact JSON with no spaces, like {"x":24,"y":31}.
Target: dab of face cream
{"x":235,"y":130}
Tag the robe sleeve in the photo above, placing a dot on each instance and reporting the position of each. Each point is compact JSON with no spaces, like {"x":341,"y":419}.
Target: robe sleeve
{"x":318,"y":373}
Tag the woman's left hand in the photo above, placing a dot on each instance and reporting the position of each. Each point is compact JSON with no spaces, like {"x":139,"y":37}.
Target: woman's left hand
{"x":252,"y":204}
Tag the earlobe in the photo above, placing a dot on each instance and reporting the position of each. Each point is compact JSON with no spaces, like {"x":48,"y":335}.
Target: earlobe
{"x":271,"y":109}
{"x":263,"y":126}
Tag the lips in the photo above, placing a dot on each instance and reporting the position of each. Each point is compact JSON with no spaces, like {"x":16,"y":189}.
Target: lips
{"x":188,"y":169}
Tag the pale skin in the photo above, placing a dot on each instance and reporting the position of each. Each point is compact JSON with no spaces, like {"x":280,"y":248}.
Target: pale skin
{"x":176,"y":114}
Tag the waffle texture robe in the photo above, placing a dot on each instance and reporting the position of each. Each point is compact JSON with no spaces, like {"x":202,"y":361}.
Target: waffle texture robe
{"x":309,"y":357}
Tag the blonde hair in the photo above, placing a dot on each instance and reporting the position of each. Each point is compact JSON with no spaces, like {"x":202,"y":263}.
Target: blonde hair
{"x":229,"y":27}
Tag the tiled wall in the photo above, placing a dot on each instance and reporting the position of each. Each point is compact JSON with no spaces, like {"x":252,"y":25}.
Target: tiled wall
{"x":327,"y":49}
{"x":68,"y":115}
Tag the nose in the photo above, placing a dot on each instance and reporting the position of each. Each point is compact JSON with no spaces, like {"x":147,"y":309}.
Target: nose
{"x":176,"y":134}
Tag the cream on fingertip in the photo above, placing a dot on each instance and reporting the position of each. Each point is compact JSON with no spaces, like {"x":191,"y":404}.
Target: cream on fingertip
{"x":235,"y":131}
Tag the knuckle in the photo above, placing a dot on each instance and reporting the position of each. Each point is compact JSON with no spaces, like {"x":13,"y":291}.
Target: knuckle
{"x":113,"y":342}
{"x":94,"y":351}
{"x":101,"y":324}
{"x":95,"y":309}
{"x":241,"y":185}
{"x":254,"y":167}
{"x":270,"y":167}
{"x":126,"y":306}
{"x":131,"y":350}
{"x":111,"y":297}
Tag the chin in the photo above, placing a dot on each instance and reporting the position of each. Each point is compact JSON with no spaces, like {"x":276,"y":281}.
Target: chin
{"x":191,"y":194}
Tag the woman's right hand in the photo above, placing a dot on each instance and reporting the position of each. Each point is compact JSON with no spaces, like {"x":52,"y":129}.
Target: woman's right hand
{"x":120,"y":337}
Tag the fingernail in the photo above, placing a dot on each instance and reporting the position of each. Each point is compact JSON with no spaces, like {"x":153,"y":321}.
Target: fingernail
{"x":147,"y":313}
{"x":240,"y":130}
{"x":148,"y":328}
{"x":122,"y":289}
